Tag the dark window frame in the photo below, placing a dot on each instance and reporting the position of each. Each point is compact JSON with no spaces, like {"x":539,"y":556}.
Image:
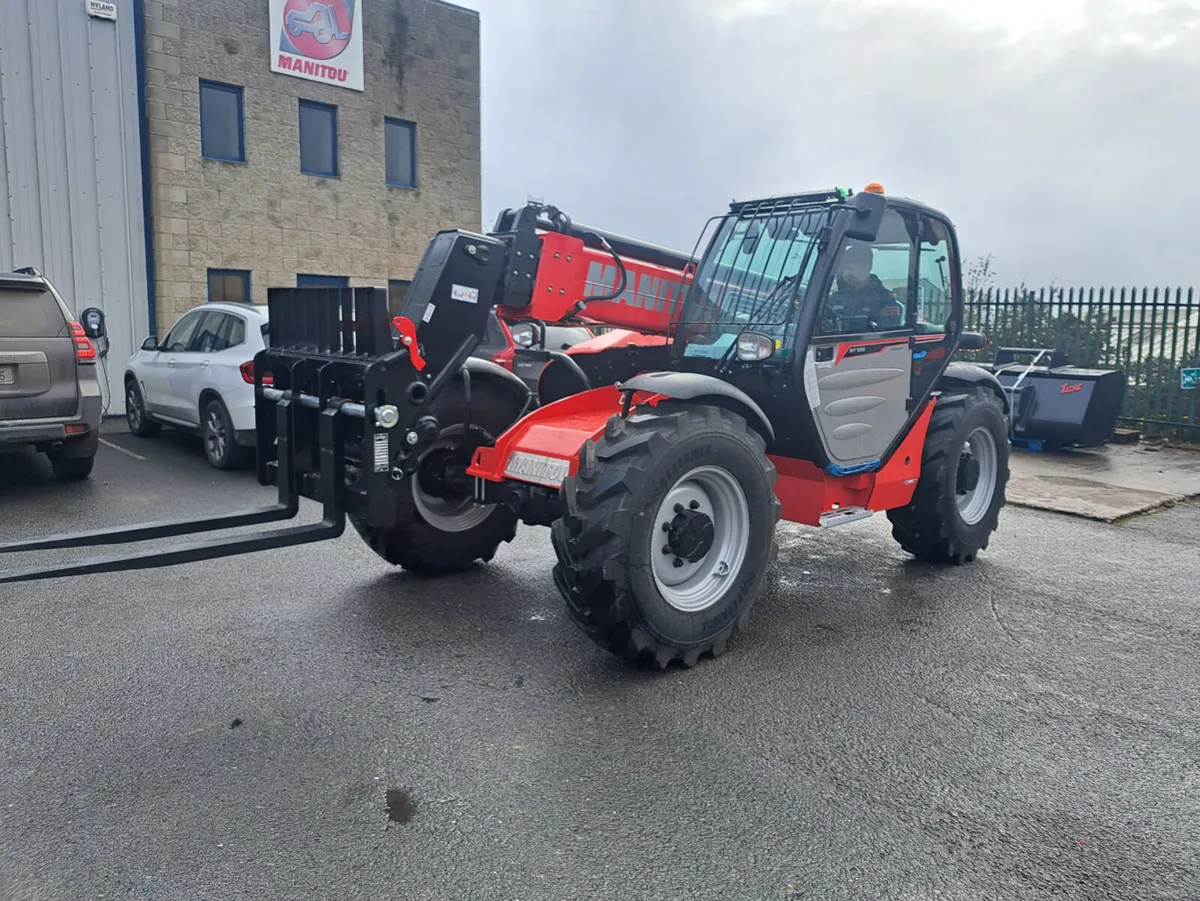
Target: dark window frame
{"x":318,"y":280}
{"x":243,"y":274}
{"x":411,"y":128}
{"x":239,"y":93}
{"x":333,"y":112}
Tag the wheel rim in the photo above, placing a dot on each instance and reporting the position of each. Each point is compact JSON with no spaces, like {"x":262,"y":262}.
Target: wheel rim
{"x":133,"y":410}
{"x":214,"y":434}
{"x":448,"y":514}
{"x":713,"y":552}
{"x":979,"y":449}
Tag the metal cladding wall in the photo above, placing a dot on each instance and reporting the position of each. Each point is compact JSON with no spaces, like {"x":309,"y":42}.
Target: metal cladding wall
{"x":71,"y":163}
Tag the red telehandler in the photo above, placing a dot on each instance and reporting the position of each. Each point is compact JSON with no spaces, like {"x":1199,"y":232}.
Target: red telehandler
{"x":799,"y":367}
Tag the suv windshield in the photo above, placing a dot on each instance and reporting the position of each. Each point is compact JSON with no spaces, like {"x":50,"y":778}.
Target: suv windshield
{"x":757,"y":268}
{"x":29,"y":313}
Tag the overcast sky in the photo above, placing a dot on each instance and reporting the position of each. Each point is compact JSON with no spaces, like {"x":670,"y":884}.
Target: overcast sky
{"x":1061,"y":136}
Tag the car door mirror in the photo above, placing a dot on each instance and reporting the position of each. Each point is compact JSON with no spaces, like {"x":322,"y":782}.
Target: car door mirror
{"x":150,"y":343}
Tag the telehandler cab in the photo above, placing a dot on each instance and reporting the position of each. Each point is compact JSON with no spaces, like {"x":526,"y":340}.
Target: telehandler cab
{"x":800,"y":367}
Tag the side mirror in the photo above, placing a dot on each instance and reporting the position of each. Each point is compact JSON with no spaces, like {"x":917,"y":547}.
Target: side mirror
{"x":753,"y":347}
{"x":150,"y":343}
{"x":92,"y":320}
{"x":868,"y":216}
{"x":972,"y":341}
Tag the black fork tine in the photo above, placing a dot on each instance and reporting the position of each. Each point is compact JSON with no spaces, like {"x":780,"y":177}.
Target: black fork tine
{"x":192,"y":552}
{"x":152,"y":530}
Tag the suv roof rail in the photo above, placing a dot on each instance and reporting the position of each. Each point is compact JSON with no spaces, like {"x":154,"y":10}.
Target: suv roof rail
{"x":28,"y":270}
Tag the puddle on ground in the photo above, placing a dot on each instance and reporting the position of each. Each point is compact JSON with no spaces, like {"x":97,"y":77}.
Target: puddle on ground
{"x":399,"y":806}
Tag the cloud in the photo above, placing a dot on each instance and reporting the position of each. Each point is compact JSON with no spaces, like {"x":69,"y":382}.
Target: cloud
{"x":1064,"y":144}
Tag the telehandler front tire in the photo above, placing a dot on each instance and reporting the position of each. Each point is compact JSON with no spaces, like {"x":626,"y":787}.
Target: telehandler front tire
{"x":668,"y":530}
{"x":964,"y":476}
{"x":438,"y":536}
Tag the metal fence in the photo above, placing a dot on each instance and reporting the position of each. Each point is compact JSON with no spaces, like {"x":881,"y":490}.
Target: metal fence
{"x":1152,"y":334}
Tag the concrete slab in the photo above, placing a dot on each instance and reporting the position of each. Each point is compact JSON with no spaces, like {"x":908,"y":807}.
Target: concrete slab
{"x":1105,"y":483}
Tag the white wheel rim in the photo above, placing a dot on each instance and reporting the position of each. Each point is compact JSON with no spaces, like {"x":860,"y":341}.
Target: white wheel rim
{"x":973,"y":505}
{"x":696,"y":586}
{"x":448,"y":515}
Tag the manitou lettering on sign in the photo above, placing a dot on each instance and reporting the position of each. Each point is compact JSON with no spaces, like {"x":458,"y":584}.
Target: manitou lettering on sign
{"x":308,"y":67}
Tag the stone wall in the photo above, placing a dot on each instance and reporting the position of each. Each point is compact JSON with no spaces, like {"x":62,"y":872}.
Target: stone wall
{"x":422,"y":64}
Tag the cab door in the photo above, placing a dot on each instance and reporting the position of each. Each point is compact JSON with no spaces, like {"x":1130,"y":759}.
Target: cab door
{"x":858,"y":368}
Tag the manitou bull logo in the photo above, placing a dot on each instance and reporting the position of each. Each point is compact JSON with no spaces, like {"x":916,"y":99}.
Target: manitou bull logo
{"x":317,"y":29}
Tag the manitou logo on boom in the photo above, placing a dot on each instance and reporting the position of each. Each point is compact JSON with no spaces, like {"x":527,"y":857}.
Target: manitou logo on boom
{"x":643,"y":292}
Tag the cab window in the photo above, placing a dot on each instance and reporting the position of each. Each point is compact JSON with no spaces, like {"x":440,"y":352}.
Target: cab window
{"x":870,"y":291}
{"x":934,"y":304}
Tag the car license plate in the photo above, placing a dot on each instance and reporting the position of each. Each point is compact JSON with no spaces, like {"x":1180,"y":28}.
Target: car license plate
{"x":8,"y":375}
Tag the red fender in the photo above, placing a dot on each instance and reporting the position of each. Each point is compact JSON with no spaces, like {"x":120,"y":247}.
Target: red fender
{"x":543,"y":447}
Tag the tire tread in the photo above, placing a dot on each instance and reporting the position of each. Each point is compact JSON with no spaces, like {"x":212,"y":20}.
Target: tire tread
{"x":923,"y":528}
{"x":590,"y":539}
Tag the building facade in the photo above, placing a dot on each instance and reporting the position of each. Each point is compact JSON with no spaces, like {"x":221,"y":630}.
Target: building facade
{"x":238,"y":145}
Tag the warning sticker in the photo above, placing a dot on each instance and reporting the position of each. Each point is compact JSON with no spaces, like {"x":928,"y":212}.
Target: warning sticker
{"x":428,"y":314}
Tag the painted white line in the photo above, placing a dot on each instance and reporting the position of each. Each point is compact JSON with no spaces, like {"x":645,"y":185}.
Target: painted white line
{"x":118,"y":447}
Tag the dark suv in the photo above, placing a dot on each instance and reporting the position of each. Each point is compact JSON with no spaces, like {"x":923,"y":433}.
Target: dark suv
{"x":50,"y":397}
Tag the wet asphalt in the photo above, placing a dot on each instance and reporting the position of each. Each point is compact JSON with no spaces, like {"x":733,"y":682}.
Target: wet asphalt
{"x":307,"y":723}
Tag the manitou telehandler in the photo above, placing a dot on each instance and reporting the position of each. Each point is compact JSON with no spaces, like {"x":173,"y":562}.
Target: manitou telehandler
{"x":798,"y":367}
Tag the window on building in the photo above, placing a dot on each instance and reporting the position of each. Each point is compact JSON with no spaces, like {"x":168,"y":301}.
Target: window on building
{"x":228,"y":285}
{"x":221,"y":122}
{"x":400,"y":146}
{"x":322,"y":281}
{"x":397,"y":291}
{"x":318,"y":139}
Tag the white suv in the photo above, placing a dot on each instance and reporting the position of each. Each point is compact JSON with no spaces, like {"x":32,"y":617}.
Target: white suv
{"x":201,"y":378}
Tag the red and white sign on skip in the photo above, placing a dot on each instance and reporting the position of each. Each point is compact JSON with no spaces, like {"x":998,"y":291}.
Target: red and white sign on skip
{"x":320,"y":40}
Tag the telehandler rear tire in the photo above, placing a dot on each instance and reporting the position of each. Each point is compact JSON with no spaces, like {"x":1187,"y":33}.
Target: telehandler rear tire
{"x":668,"y":530}
{"x":964,"y":475}
{"x":435,"y":536}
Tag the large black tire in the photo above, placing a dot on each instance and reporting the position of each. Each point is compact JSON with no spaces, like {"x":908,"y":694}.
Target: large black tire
{"x":610,"y":532}
{"x":71,"y":469}
{"x":416,"y":542}
{"x":932,"y":527}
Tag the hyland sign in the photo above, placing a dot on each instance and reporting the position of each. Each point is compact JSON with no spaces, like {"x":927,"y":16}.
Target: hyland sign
{"x":320,"y":40}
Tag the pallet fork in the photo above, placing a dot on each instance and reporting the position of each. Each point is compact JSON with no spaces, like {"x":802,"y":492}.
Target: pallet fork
{"x":353,"y":341}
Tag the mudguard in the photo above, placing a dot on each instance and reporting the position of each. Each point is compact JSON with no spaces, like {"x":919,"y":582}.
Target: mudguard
{"x":968,"y":375}
{"x":695,"y":386}
{"x":486,"y":369}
